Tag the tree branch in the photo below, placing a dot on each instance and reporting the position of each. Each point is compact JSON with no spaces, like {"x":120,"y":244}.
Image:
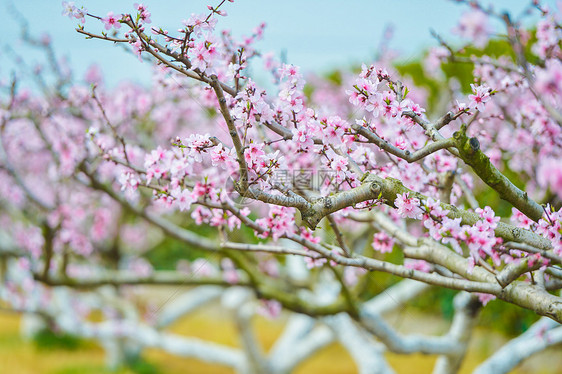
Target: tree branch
{"x":232,"y":131}
{"x":466,"y":311}
{"x":541,"y":335}
{"x":469,"y":150}
{"x":121,"y":278}
{"x":405,"y":155}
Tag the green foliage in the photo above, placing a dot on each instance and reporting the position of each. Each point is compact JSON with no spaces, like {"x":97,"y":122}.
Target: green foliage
{"x":166,"y":254}
{"x":437,"y":301}
{"x":376,"y":281}
{"x":506,"y":318}
{"x":244,"y":234}
{"x":137,"y":367}
{"x":461,"y":72}
{"x":141,"y":366}
{"x":47,"y":339}
{"x":89,"y":369}
{"x":414,"y":70}
{"x":308,"y":90}
{"x":335,"y":77}
{"x":497,"y":315}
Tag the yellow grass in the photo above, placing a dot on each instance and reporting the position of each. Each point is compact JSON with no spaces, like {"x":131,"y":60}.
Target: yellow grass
{"x":23,"y":357}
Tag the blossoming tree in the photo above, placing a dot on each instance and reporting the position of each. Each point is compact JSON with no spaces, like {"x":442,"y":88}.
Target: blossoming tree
{"x":311,"y":192}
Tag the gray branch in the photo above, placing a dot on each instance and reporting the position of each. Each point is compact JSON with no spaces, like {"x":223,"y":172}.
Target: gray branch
{"x":541,"y":335}
{"x":464,"y":321}
{"x":405,"y":155}
{"x":187,"y":303}
{"x":470,"y":153}
{"x":366,"y":352}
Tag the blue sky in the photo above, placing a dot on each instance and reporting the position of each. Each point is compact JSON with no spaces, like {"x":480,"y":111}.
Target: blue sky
{"x":315,"y":34}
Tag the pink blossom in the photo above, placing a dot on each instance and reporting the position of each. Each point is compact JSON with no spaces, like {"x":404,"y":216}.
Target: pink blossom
{"x":416,"y":108}
{"x":230,"y":275}
{"x":204,"y":189}
{"x":334,"y":129}
{"x":296,"y":104}
{"x":485,"y":298}
{"x":315,"y":261}
{"x":434,"y":217}
{"x":474,"y":26}
{"x":144,"y":15}
{"x":110,"y":21}
{"x":549,"y":79}
{"x":183,"y":199}
{"x":548,"y":38}
{"x":279,"y":222}
{"x":309,"y":235}
{"x":290,"y":71}
{"x":70,"y":10}
{"x":201,"y":215}
{"x":253,"y":154}
{"x":460,"y":107}
{"x":433,"y":227}
{"x":351,"y":275}
{"x":374,"y":104}
{"x":201,"y":57}
{"x":270,"y":309}
{"x":520,"y":219}
{"x":102,"y":222}
{"x":480,"y":97}
{"x":435,"y":56}
{"x":339,"y":163}
{"x":141,"y":267}
{"x":435,"y":209}
{"x":137,"y":47}
{"x":201,"y":267}
{"x":179,"y":168}
{"x":198,"y":145}
{"x":222,"y":157}
{"x":198,"y":23}
{"x":400,"y":143}
{"x":391,"y":107}
{"x":93,"y":75}
{"x":408,"y":207}
{"x":128,"y":181}
{"x":549,"y":175}
{"x":419,"y":265}
{"x":302,"y":138}
{"x":382,"y":242}
{"x":218,"y":218}
{"x":489,"y":217}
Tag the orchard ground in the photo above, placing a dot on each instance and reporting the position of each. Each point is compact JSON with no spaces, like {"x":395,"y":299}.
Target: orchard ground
{"x":31,"y":357}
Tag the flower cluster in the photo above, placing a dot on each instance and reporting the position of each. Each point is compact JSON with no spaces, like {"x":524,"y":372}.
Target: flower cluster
{"x":72,"y":11}
{"x":408,"y":207}
{"x":474,"y":26}
{"x":382,"y":242}
{"x":280,"y":221}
